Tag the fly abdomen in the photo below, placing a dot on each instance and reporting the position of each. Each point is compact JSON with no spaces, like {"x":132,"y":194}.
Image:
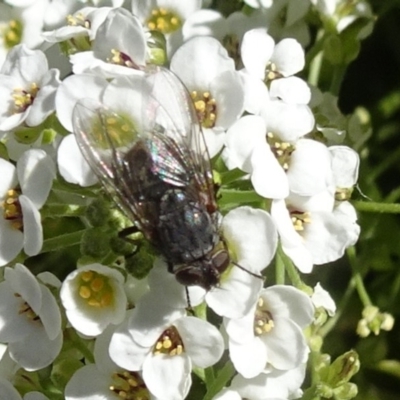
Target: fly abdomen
{"x":185,"y":230}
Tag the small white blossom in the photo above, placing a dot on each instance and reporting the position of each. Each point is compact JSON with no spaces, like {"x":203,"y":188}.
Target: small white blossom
{"x":27,"y":88}
{"x":216,"y":88}
{"x":273,"y":385}
{"x":31,"y":319}
{"x":119,"y":47}
{"x":23,"y":191}
{"x":271,"y":333}
{"x":165,"y":344}
{"x":93,"y":297}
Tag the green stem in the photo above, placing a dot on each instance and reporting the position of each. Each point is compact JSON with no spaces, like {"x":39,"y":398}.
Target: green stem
{"x":279,"y":269}
{"x":359,"y":283}
{"x":387,"y":162}
{"x":291,"y":270}
{"x":62,"y":241}
{"x":315,"y":59}
{"x":337,"y":78}
{"x":370,"y":206}
{"x":59,"y":210}
{"x":224,"y":376}
{"x":229,"y":196}
{"x":331,"y":323}
{"x":79,"y":344}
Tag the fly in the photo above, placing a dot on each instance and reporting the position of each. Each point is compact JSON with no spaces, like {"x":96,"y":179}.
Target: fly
{"x":158,"y":171}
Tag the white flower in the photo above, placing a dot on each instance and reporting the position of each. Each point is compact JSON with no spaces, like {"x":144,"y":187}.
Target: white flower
{"x":27,"y":88}
{"x":277,"y":159}
{"x":93,"y":297}
{"x":104,"y":379}
{"x":265,"y":60}
{"x":165,"y":344}
{"x":274,"y":385}
{"x":31,"y":320}
{"x":215,"y":87}
{"x":313,"y":230}
{"x":271,"y":333}
{"x":165,"y":16}
{"x":322,"y":298}
{"x":119,"y":47}
{"x":83,"y":22}
{"x":20,"y":227}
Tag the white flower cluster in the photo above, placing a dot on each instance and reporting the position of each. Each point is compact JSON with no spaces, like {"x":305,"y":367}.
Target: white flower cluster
{"x":255,"y":115}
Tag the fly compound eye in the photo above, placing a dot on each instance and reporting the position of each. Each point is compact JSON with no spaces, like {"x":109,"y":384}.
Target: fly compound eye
{"x":220,"y":261}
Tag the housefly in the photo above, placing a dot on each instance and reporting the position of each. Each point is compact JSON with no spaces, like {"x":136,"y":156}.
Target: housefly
{"x":158,"y":170}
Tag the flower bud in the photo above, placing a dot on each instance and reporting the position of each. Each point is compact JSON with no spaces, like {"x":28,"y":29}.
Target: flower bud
{"x":343,"y":368}
{"x":98,"y":212}
{"x":95,"y":243}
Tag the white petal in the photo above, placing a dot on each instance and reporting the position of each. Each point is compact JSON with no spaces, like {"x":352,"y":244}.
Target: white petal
{"x":167,"y":377}
{"x":240,"y":140}
{"x":250,"y":358}
{"x":268,"y":177}
{"x":11,"y":242}
{"x":33,"y":231}
{"x":72,"y":89}
{"x":256,"y":51}
{"x":287,"y":347}
{"x":228,"y":91}
{"x":288,"y":57}
{"x":292,"y":242}
{"x":288,"y":302}
{"x":236,"y":294}
{"x":50,"y":315}
{"x":322,"y":298}
{"x":289,"y":121}
{"x":8,"y":177}
{"x":72,"y":165}
{"x":36,"y":351}
{"x":8,"y":391}
{"x":253,"y":236}
{"x":256,"y":93}
{"x":291,"y":90}
{"x":328,"y":235}
{"x":206,"y":58}
{"x":36,"y":171}
{"x":345,"y":164}
{"x":310,"y":169}
{"x":124,"y":351}
{"x":203,"y":353}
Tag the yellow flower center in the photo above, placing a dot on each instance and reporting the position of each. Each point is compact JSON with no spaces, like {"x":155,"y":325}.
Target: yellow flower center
{"x":24,"y":98}
{"x":78,"y":20}
{"x":164,"y":21}
{"x":169,"y":343}
{"x":11,"y":33}
{"x":343,"y":194}
{"x":281,"y":150}
{"x":271,"y":72}
{"x":12,"y":211}
{"x":129,"y":385}
{"x":120,"y":58}
{"x":300,"y":219}
{"x":206,"y":108}
{"x":95,"y":289}
{"x":263,"y":321}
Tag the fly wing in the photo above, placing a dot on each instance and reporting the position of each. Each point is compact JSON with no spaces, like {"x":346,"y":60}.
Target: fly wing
{"x":171,"y":108}
{"x":104,"y":138}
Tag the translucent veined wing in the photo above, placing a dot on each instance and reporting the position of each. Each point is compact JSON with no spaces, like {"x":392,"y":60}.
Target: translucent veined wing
{"x":170,"y":102}
{"x":137,"y":160}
